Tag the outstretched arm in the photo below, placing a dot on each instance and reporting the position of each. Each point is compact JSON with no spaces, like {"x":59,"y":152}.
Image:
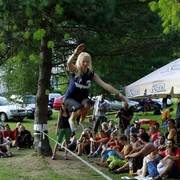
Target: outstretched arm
{"x":77,"y":51}
{"x":108,"y":87}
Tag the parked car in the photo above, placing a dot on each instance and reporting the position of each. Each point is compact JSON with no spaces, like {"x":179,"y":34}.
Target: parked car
{"x":28,"y":102}
{"x":159,"y":103}
{"x":117,"y":105}
{"x":52,"y":96}
{"x":57,"y":103}
{"x":153,"y":104}
{"x":11,"y":111}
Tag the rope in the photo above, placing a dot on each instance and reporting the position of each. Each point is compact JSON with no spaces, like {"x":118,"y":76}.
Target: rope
{"x":85,"y":162}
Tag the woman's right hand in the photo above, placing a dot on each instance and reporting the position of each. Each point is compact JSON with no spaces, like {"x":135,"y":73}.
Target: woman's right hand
{"x":79,"y":49}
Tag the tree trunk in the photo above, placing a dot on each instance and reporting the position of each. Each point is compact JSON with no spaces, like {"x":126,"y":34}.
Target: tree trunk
{"x":41,"y":142}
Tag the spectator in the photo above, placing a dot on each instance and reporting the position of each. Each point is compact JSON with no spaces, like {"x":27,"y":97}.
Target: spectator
{"x":83,"y":145}
{"x":164,"y":102}
{"x":138,"y":156}
{"x":118,"y":160}
{"x":4,"y":146}
{"x":134,"y":144}
{"x":8,"y":133}
{"x":112,"y":142}
{"x":160,"y":142}
{"x":99,"y":114}
{"x":97,"y":142}
{"x":62,"y":129}
{"x":166,"y":115}
{"x":125,"y":116}
{"x":152,"y":134}
{"x":108,"y":149}
{"x":151,"y":161}
{"x":157,"y":126}
{"x":135,"y":129}
{"x":104,"y":127}
{"x":142,"y":130}
{"x":24,"y":138}
{"x":16,"y":130}
{"x":163,"y":164}
{"x":172,"y":132}
{"x":178,"y":123}
{"x":111,"y":125}
{"x":143,"y":105}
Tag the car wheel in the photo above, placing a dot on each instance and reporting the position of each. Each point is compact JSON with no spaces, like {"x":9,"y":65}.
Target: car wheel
{"x":3,"y":117}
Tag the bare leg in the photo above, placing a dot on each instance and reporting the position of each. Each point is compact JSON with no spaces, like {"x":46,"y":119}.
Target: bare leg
{"x":167,"y":169}
{"x":91,"y":149}
{"x":65,"y":155}
{"x":73,"y":118}
{"x":84,"y":113}
{"x":144,"y":168}
{"x":55,"y":151}
{"x":125,"y":166}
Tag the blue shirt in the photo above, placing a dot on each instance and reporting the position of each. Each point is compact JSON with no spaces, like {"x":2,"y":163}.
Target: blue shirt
{"x":79,"y":86}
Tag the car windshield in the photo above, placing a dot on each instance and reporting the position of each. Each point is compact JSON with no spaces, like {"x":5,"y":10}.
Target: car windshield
{"x":30,"y":99}
{"x":54,"y":95}
{"x":4,"y":101}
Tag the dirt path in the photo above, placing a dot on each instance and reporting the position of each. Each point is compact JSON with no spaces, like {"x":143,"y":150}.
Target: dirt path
{"x":26,"y":166}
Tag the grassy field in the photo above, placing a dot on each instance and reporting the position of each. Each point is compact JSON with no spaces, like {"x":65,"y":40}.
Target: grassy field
{"x":20,"y":166}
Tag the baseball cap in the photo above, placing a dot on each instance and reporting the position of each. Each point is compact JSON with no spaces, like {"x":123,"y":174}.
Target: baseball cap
{"x":137,"y":121}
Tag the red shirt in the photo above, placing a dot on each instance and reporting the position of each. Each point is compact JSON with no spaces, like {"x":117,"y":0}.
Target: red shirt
{"x":101,"y":137}
{"x":8,"y":134}
{"x":15,"y":133}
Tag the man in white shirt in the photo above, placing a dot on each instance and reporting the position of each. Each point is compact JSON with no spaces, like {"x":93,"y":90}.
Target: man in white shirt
{"x":100,"y":108}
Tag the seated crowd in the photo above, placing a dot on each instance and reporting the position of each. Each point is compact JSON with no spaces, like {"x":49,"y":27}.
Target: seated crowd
{"x":151,"y":152}
{"x":18,"y":138}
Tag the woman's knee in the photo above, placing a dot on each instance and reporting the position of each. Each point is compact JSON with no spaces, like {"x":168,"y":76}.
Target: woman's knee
{"x":87,"y":106}
{"x":76,"y":113}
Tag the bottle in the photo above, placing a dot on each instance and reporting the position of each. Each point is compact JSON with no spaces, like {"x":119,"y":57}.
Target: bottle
{"x":130,"y":168}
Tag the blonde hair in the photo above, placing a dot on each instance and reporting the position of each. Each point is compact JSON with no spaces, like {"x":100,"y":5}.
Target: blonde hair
{"x":80,"y":58}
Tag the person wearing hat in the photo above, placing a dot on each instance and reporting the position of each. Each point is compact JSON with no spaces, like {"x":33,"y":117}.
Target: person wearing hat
{"x":135,"y":128}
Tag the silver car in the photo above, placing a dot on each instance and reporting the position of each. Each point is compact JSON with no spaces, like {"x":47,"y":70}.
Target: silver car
{"x":11,"y":111}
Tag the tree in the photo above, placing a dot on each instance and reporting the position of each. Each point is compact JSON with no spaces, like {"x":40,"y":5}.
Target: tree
{"x":169,"y":11}
{"x":28,"y":23}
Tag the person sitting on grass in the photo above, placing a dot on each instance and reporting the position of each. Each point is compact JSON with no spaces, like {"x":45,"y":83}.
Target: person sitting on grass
{"x":160,"y":142}
{"x":115,"y":154}
{"x":24,"y":138}
{"x":4,"y":146}
{"x":83,"y":144}
{"x":137,"y":157}
{"x":8,"y":133}
{"x":16,"y":130}
{"x":127,"y":149}
{"x":96,"y":143}
{"x":152,"y":134}
{"x":159,"y":167}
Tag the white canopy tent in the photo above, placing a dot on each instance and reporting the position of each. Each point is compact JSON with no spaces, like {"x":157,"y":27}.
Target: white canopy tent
{"x":163,"y":81}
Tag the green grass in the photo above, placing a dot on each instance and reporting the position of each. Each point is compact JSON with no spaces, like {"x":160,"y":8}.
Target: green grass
{"x":29,"y":124}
